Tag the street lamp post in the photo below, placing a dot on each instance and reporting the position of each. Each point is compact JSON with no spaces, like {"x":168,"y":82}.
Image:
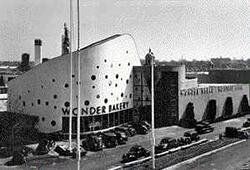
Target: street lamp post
{"x":71,"y":70}
{"x":152,"y":111}
{"x":79,"y":83}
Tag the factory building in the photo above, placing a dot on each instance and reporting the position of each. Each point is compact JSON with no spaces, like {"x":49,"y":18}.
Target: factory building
{"x":115,"y":89}
{"x":106,"y":85}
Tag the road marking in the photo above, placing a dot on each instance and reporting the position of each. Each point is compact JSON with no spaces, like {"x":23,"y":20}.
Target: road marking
{"x":200,"y":156}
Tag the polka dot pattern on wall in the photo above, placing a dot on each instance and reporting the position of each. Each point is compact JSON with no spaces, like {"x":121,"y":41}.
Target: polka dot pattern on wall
{"x":86,"y":102}
{"x":93,"y":77}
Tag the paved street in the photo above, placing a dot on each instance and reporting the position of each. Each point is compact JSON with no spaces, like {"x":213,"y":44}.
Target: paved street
{"x":233,"y":158}
{"x":111,"y":157}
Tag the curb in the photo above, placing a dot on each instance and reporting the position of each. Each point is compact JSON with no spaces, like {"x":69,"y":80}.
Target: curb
{"x":158,"y":155}
{"x":202,"y":155}
{"x":181,"y":147}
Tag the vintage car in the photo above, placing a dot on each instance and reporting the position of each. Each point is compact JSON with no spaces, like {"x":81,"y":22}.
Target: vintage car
{"x":246,"y":123}
{"x":140,"y":128}
{"x":233,"y":132}
{"x":130,"y":128}
{"x":124,"y":129}
{"x":193,"y":135}
{"x":121,"y":137}
{"x":135,"y":153}
{"x":203,"y":127}
{"x":92,"y":142}
{"x":184,"y":141}
{"x":166,"y":144}
{"x":109,"y":139}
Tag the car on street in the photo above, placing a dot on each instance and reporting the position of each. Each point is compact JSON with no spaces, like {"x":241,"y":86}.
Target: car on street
{"x":233,"y":132}
{"x":140,"y":128}
{"x":124,"y":129}
{"x":184,"y":141}
{"x":130,"y":128}
{"x":246,"y":123}
{"x":121,"y":137}
{"x":203,"y":127}
{"x":193,"y":135}
{"x":92,"y":142}
{"x":165,"y":144}
{"x":134,"y":153}
{"x":109,"y":139}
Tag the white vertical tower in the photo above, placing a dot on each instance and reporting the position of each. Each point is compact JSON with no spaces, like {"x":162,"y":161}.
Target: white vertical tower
{"x":38,"y":51}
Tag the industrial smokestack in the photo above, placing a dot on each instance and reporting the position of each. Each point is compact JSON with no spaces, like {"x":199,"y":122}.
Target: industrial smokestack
{"x":38,"y":52}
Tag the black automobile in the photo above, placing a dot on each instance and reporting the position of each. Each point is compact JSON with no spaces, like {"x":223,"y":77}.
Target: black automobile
{"x":146,"y":124}
{"x":109,"y":139}
{"x":247,"y":123}
{"x":140,"y":128}
{"x":193,"y":135}
{"x":233,"y":132}
{"x":135,"y":153}
{"x":203,"y":127}
{"x":184,"y":141}
{"x":130,"y":128}
{"x":123,"y":129}
{"x":92,"y":142}
{"x":121,"y":137}
{"x":166,"y":144}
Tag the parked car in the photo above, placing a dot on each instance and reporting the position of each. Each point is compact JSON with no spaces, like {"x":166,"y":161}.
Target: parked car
{"x":109,"y":139}
{"x":121,"y":137}
{"x":166,"y":144}
{"x":203,"y":127}
{"x":193,"y":135}
{"x":247,"y":123}
{"x":184,"y":141}
{"x":233,"y":132}
{"x":130,"y":128}
{"x":146,"y":124}
{"x":92,"y":142}
{"x":243,"y":134}
{"x":123,"y":129}
{"x":135,"y":153}
{"x":140,"y":128}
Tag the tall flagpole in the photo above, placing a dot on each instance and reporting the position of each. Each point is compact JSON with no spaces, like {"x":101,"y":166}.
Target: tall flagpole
{"x":71,"y":71}
{"x":79,"y":82}
{"x":152,"y":111}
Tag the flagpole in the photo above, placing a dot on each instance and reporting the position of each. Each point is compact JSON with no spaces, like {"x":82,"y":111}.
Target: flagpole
{"x":71,"y":71}
{"x":152,"y":111}
{"x":79,"y":82}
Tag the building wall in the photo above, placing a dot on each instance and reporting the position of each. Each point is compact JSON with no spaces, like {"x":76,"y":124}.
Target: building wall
{"x":166,"y":94}
{"x":106,"y":84}
{"x":202,"y":95}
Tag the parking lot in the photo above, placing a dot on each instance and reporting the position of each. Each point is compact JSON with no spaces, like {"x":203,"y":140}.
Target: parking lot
{"x":109,"y":158}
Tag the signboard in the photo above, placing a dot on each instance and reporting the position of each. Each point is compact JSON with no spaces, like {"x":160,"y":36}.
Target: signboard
{"x":87,"y":111}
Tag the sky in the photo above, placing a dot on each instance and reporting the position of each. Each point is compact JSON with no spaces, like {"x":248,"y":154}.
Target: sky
{"x":173,"y":29}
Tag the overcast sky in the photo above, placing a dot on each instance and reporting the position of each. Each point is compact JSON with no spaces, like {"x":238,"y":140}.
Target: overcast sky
{"x":194,"y":29}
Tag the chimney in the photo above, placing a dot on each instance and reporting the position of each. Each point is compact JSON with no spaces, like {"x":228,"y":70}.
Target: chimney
{"x":38,"y":52}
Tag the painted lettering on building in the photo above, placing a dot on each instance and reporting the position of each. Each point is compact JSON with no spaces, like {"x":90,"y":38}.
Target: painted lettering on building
{"x":87,"y":111}
{"x":208,"y":90}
